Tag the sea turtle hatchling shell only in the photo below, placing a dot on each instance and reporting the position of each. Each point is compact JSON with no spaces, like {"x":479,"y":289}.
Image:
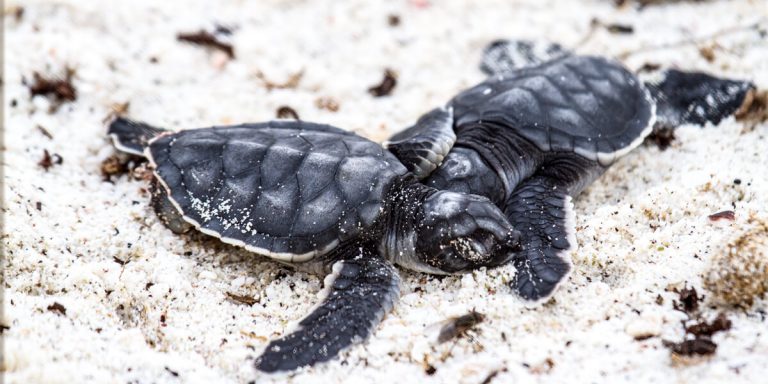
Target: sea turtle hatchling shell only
{"x":589,"y":105}
{"x":286,"y":191}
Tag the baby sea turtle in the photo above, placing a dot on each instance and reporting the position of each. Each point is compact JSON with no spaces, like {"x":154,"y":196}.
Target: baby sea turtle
{"x":543,"y":126}
{"x":322,"y":199}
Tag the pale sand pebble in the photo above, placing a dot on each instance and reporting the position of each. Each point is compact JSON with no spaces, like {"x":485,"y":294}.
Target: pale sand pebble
{"x":642,"y":227}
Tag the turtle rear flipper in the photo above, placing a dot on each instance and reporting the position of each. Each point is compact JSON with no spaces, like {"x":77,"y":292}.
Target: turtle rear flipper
{"x":132,"y":136}
{"x":361,"y":289}
{"x":695,"y":98}
{"x":503,"y":56}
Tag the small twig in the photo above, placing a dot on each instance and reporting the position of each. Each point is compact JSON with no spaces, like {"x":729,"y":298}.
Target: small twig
{"x":596,"y":24}
{"x":587,"y":37}
{"x":691,"y":41}
{"x":291,"y":83}
{"x":207,"y":39}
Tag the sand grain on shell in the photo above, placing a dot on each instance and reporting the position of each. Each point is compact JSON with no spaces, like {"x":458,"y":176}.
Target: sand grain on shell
{"x":135,"y":303}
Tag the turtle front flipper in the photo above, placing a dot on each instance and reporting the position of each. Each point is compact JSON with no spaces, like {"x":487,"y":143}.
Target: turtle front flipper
{"x":695,"y":98}
{"x":361,"y":289}
{"x":423,"y":146}
{"x":132,"y":136}
{"x":503,"y":56}
{"x":541,"y":209}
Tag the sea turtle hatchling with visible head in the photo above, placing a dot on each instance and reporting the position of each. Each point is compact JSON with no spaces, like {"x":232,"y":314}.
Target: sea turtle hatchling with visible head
{"x":543,"y":126}
{"x":322,"y":199}
{"x":540,"y":129}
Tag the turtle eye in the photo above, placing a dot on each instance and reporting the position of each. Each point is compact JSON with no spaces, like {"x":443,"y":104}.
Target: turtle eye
{"x":450,"y":258}
{"x":489,"y":250}
{"x":480,"y":248}
{"x":474,"y":249}
{"x":466,"y":252}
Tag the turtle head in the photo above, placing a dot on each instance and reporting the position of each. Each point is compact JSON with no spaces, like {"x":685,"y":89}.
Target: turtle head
{"x":462,"y":232}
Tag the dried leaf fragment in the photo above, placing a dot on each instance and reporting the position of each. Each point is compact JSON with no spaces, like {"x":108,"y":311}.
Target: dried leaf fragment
{"x":49,"y":160}
{"x":286,"y":112}
{"x":206,"y":39}
{"x":388,"y":83}
{"x":246,"y":300}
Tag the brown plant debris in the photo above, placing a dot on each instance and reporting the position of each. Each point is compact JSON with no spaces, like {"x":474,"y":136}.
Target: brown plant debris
{"x":245,"y":300}
{"x":120,"y":261}
{"x":645,"y":3}
{"x":291,"y":83}
{"x":112,"y":166}
{"x":596,"y":24}
{"x":707,"y":52}
{"x":541,"y":368}
{"x":723,"y":215}
{"x":44,"y":131}
{"x":118,"y":165}
{"x":492,"y":375}
{"x":393,"y":20}
{"x":754,"y":108}
{"x":614,"y":28}
{"x":388,"y":83}
{"x":698,"y":338}
{"x":689,"y":301}
{"x":49,"y":160}
{"x":620,"y":29}
{"x":661,"y":137}
{"x":59,"y":89}
{"x":172,"y":372}
{"x":704,"y":328}
{"x":649,"y":67}
{"x":57,"y":308}
{"x":693,"y":41}
{"x":116,"y":110}
{"x":206,"y":39}
{"x":327,"y":103}
{"x":738,"y":275}
{"x":691,"y":347}
{"x":286,"y":112}
{"x":224,"y":29}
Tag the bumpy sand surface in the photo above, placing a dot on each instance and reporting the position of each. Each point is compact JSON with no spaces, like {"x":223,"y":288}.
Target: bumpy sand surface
{"x":97,"y":290}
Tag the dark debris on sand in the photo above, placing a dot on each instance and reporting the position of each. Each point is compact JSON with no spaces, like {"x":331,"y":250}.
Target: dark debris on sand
{"x":59,"y":89}
{"x":286,"y":112}
{"x":754,"y":109}
{"x":57,"y":308}
{"x":661,"y":137}
{"x":207,"y":39}
{"x":242,"y":299}
{"x":118,"y":165}
{"x":291,"y":83}
{"x":49,"y":160}
{"x":723,"y":215}
{"x":645,"y":3}
{"x":697,"y":338}
{"x":388,"y":83}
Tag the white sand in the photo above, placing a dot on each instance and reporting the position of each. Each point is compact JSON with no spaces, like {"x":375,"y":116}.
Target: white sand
{"x":642,"y":227}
